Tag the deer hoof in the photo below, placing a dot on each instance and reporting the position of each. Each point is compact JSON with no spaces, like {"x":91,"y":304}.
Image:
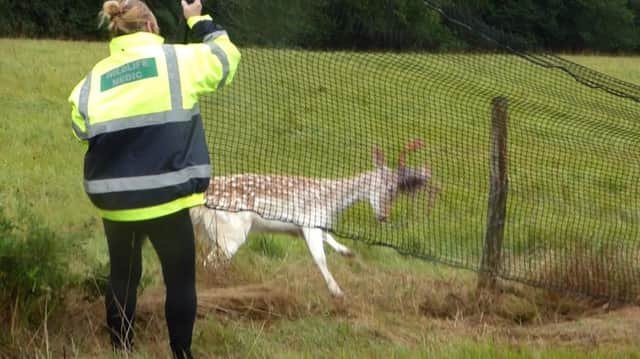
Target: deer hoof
{"x":336,"y":292}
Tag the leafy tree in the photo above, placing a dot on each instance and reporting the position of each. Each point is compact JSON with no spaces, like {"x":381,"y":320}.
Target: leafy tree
{"x":561,"y":25}
{"x":566,"y":25}
{"x":603,"y":25}
{"x":403,"y":24}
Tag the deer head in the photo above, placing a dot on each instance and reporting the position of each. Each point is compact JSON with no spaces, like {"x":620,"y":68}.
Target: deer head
{"x":412,"y":180}
{"x":387,"y":183}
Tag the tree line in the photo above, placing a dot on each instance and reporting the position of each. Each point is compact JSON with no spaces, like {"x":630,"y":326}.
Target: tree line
{"x":557,"y":25}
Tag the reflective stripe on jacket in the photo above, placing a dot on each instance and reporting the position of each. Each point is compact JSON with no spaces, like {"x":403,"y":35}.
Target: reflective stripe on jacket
{"x":138,"y":112}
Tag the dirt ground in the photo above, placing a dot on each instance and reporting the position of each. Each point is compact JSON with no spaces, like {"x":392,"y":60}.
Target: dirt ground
{"x":509,"y":316}
{"x":441,"y":309}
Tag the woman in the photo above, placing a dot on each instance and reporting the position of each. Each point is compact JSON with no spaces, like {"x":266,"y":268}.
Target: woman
{"x":147,"y":160}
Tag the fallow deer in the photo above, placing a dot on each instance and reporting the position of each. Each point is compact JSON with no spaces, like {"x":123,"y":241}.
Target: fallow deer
{"x":239,"y":204}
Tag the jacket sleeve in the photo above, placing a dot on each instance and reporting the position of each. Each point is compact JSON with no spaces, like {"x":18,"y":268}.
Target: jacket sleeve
{"x":214,"y":62}
{"x":78,"y":126}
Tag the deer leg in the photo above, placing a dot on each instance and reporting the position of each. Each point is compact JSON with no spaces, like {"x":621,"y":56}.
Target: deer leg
{"x":227,"y":232}
{"x":337,"y":246}
{"x":313,"y":238}
{"x":210,"y":223}
{"x":196,"y":221}
{"x":235,"y":230}
{"x":203,"y":221}
{"x":199,"y":232}
{"x":432,"y":192}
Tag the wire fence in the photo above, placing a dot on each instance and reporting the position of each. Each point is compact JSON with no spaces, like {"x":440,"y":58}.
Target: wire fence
{"x":394,"y":149}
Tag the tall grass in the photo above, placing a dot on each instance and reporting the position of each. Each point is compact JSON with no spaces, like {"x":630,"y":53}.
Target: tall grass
{"x":35,"y":273}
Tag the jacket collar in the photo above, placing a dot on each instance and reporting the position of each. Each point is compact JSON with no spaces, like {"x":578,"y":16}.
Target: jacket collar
{"x":142,"y":38}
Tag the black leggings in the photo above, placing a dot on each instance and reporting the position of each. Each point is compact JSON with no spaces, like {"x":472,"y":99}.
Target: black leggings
{"x":173,"y":240}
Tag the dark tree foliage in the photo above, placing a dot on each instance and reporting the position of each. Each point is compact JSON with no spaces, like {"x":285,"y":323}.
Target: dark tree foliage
{"x":169,"y":16}
{"x":400,"y":24}
{"x":559,"y":25}
{"x":568,"y":25}
{"x":52,"y":18}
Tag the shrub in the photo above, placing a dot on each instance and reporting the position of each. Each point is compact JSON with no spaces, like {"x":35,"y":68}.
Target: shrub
{"x":34,"y":266}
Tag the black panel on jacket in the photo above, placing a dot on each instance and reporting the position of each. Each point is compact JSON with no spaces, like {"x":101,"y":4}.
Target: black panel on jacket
{"x":147,"y":150}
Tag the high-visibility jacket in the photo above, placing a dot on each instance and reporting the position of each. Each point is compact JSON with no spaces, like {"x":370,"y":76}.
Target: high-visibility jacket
{"x":138,"y":112}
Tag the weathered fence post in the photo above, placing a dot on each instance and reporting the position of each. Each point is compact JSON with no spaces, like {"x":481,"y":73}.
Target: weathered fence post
{"x":492,"y":251}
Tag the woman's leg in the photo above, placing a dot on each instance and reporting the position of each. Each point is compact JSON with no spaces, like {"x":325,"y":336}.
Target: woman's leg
{"x":173,"y":239}
{"x":125,"y":256}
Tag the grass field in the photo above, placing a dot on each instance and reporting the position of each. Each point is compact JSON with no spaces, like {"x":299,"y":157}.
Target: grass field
{"x":571,"y":182}
{"x":272,"y":302}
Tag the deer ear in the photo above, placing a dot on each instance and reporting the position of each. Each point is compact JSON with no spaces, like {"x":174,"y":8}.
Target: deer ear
{"x":377,"y":156}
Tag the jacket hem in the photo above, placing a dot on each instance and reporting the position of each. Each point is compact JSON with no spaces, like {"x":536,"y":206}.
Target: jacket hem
{"x":161,"y":210}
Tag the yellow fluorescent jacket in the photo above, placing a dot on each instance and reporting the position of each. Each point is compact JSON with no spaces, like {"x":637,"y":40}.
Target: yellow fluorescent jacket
{"x":138,"y":112}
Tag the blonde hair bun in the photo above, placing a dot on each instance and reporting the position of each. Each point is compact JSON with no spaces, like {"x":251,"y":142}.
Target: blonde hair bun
{"x":126,"y":16}
{"x":111,"y":9}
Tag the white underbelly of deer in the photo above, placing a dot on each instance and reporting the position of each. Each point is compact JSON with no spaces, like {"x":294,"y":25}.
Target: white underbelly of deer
{"x":261,"y":225}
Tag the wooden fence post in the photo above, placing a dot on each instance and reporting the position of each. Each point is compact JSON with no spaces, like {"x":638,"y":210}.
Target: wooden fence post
{"x":499,"y":183}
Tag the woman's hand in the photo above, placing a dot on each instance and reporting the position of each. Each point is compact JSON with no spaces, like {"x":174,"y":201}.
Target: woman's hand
{"x":191,"y":9}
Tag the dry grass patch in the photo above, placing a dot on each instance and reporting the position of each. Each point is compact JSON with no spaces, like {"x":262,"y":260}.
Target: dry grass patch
{"x":609,"y":271}
{"x":512,"y":304}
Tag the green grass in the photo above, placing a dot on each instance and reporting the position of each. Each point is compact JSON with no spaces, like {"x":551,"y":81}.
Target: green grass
{"x":278,"y":107}
{"x":41,"y":159}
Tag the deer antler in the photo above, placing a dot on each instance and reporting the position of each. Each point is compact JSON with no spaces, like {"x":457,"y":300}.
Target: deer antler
{"x":411,"y":146}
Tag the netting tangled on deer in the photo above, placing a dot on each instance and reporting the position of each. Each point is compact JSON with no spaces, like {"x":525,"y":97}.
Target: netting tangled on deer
{"x":394,"y":149}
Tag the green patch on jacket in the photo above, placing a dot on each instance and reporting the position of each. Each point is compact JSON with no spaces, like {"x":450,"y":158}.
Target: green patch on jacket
{"x":129,"y":72}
